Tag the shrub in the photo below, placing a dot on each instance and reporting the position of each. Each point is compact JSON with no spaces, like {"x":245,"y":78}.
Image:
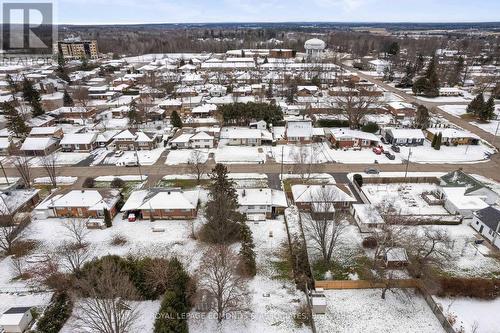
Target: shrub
{"x":358,"y":179}
{"x":118,"y":240}
{"x":117,"y":183}
{"x":107,"y":218}
{"x":56,"y":314}
{"x":303,"y":316}
{"x":465,"y":287}
{"x":370,"y":127}
{"x":369,"y":242}
{"x":332,"y":123}
{"x":23,"y":247}
{"x":89,"y":182}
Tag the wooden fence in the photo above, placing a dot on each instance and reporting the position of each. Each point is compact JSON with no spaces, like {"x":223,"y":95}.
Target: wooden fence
{"x":407,"y":283}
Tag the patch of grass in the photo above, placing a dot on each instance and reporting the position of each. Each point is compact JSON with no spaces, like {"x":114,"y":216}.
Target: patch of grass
{"x":468,"y":116}
{"x":118,"y":240}
{"x":360,"y":266}
{"x":282,"y":270}
{"x":126,"y":190}
{"x":183,"y":183}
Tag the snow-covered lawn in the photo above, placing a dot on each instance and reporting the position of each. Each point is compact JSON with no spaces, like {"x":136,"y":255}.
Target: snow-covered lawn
{"x":362,"y":156}
{"x":125,"y":178}
{"x":240,"y":154}
{"x":492,"y":127}
{"x":309,"y":153}
{"x":470,"y":313}
{"x":405,"y":198}
{"x":62,"y":158}
{"x":454,"y":110}
{"x":267,"y":314}
{"x":61,"y":180}
{"x":363,"y":310}
{"x":181,"y":156}
{"x":8,"y":301}
{"x":447,"y":154}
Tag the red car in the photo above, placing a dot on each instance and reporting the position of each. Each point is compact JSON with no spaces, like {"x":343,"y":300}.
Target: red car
{"x":377,"y":150}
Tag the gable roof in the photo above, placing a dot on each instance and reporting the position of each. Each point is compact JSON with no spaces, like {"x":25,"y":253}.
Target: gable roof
{"x":489,"y":216}
{"x":458,"y":178}
{"x":161,"y":198}
{"x":311,"y":193}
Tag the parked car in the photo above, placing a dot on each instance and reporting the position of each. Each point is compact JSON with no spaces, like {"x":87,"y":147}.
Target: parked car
{"x":395,"y":149}
{"x":389,"y":155}
{"x":131,"y":217}
{"x":131,"y":163}
{"x":371,"y":171}
{"x":383,"y":140}
{"x":377,"y":150}
{"x":118,"y":153}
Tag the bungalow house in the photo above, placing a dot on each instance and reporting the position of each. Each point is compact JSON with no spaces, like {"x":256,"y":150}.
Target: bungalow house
{"x":203,"y":111}
{"x":162,"y":203}
{"x":242,"y":136}
{"x":43,"y":120}
{"x":319,"y":198}
{"x":404,"y":136}
{"x":487,"y":222}
{"x":85,"y":203}
{"x":79,"y":142}
{"x":8,"y":145}
{"x":299,"y":130}
{"x":52,"y":101}
{"x":182,"y":141}
{"x":307,"y":90}
{"x":261,"y":203}
{"x":347,"y":138}
{"x":14,"y":201}
{"x":472,"y":187}
{"x":404,"y":112}
{"x":367,"y":217}
{"x":76,"y":112}
{"x":452,"y":136}
{"x":135,"y":140}
{"x":48,"y":131}
{"x":39,"y":146}
{"x":105,"y":138}
{"x":201,"y":140}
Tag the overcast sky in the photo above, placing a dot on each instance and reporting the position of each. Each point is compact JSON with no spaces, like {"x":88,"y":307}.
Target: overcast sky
{"x":187,"y":11}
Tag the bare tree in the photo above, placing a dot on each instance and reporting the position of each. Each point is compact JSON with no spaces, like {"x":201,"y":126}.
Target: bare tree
{"x":105,"y":299}
{"x":72,"y":255}
{"x":11,"y":229}
{"x":77,"y":230}
{"x":324,"y":226}
{"x":23,"y":166}
{"x":355,"y":105}
{"x":303,"y":156}
{"x":81,"y":95}
{"x":197,"y":164}
{"x":49,"y":163}
{"x":221,"y":282}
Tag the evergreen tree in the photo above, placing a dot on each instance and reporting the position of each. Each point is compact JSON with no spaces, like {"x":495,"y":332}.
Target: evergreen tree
{"x":488,"y":110}
{"x":67,"y":100}
{"x":292,"y":91}
{"x":222,"y":215}
{"x":107,"y":218}
{"x":439,"y":140}
{"x":393,"y":48}
{"x":433,"y":79}
{"x":247,"y":253}
{"x":419,"y":63}
{"x":13,"y":88}
{"x":265,"y":60}
{"x":476,"y":105}
{"x":175,"y":120}
{"x":455,"y":75}
{"x":182,"y":63}
{"x":32,"y":96}
{"x":133,"y":115}
{"x":84,"y":63}
{"x":316,"y":81}
{"x":269,"y":92}
{"x":15,"y":122}
{"x":422,"y":117}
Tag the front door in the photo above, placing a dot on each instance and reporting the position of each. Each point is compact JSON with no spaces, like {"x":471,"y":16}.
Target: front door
{"x":481,"y":229}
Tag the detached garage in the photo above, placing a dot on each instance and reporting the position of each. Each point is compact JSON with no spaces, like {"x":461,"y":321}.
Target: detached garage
{"x":16,"y":320}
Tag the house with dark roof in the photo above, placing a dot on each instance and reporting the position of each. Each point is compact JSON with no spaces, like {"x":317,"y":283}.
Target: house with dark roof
{"x":487,"y":222}
{"x":473,"y":187}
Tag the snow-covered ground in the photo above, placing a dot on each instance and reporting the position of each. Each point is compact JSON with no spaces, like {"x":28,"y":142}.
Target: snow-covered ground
{"x":126,"y":178}
{"x":241,"y":154}
{"x":405,"y":198}
{"x":181,"y":156}
{"x":492,"y":127}
{"x":454,"y":110}
{"x":472,"y":314}
{"x":459,"y":110}
{"x":267,"y":314}
{"x":61,"y":180}
{"x":145,"y":157}
{"x":364,"y":311}
{"x":447,"y":154}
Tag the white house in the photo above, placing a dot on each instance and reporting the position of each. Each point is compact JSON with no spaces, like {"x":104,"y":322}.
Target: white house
{"x":487,"y":222}
{"x":16,"y":319}
{"x":201,"y":140}
{"x":261,"y":203}
{"x":299,"y":130}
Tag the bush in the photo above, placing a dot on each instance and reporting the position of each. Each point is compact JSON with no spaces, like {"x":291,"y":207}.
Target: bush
{"x":118,"y":240}
{"x":369,"y":242}
{"x":464,"y":287}
{"x":117,"y":183}
{"x":56,"y":314}
{"x":370,"y":127}
{"x":89,"y":182}
{"x":107,"y":218}
{"x":358,"y":179}
{"x":303,"y":316}
{"x":23,"y":247}
{"x":332,"y":123}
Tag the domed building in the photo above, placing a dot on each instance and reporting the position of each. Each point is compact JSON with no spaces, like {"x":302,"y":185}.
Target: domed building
{"x":314,"y":47}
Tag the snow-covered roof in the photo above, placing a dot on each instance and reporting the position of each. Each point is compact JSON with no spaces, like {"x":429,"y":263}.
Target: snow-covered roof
{"x":244,"y":133}
{"x":79,"y":139}
{"x":314,"y":193}
{"x":13,"y":200}
{"x":49,"y":130}
{"x":91,"y":199}
{"x":183,"y":138}
{"x":406,"y":133}
{"x":202,"y":136}
{"x":368,"y":214}
{"x":396,"y":254}
{"x":453,"y":133}
{"x":346,"y":133}
{"x":38,"y":143}
{"x":161,"y":198}
{"x":299,"y":129}
{"x":261,"y":197}
{"x":125,"y":135}
{"x":205,"y":108}
{"x":458,"y":197}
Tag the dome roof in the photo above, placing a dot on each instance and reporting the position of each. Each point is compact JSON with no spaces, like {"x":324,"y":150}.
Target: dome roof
{"x":315,"y":43}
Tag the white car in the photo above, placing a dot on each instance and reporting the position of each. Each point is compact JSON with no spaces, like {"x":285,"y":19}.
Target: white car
{"x":119,"y":153}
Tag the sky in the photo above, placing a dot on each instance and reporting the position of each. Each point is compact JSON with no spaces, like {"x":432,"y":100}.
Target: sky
{"x":204,"y":11}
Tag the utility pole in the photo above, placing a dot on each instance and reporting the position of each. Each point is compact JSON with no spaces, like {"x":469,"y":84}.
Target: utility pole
{"x":282,"y":149}
{"x":496,"y":133}
{"x":407,"y":162}
{"x":4,"y":174}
